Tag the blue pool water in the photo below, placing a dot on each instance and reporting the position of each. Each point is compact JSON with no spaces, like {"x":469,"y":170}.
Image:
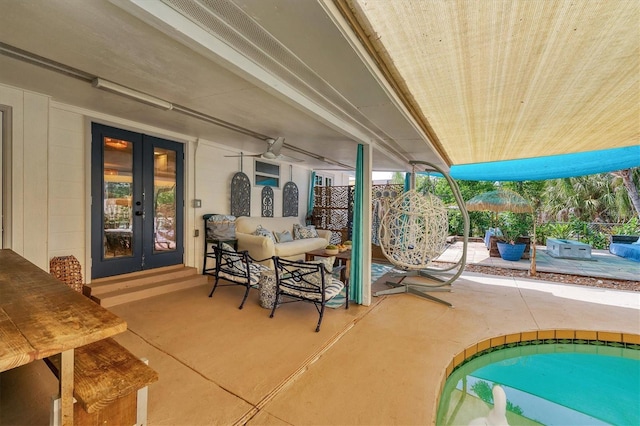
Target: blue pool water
{"x":550,"y":384}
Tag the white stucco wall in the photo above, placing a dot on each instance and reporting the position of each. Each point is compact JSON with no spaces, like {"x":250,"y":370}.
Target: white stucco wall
{"x":67,"y":189}
{"x":28,"y":217}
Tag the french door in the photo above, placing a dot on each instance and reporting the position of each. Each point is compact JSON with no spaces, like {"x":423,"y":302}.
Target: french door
{"x":137,"y":209}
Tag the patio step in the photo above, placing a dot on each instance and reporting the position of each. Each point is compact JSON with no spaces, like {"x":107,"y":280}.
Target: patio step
{"x":121,"y":289}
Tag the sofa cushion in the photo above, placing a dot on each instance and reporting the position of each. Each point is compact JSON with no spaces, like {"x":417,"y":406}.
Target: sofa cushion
{"x":264,"y":232}
{"x":297,"y":247}
{"x":302,"y":232}
{"x":248,"y":224}
{"x":283,"y":237}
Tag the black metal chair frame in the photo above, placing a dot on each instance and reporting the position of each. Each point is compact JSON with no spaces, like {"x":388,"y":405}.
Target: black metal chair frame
{"x":235,"y":264}
{"x":297,"y":280}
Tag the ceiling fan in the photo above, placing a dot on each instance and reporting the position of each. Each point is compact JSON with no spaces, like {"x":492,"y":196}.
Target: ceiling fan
{"x":272,"y":152}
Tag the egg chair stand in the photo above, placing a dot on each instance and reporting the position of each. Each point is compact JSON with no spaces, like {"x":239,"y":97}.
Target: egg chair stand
{"x":413,"y":232}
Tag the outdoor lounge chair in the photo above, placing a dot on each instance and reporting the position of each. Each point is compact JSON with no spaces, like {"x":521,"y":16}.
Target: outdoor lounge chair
{"x":236,"y":267}
{"x":305,"y":281}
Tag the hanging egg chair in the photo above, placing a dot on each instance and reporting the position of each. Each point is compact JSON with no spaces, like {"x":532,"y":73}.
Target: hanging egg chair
{"x":413,"y":232}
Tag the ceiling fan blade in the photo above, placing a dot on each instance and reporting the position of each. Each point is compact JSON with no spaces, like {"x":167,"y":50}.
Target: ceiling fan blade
{"x":243,"y":155}
{"x":289,"y":159}
{"x":276,"y":146}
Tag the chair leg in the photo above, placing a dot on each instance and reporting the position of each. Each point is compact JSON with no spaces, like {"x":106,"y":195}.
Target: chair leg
{"x":275,"y":305}
{"x":214,"y":287}
{"x":244,"y":299}
{"x":320,"y":319}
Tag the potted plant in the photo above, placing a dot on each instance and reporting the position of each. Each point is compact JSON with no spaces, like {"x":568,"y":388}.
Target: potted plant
{"x":508,"y":247}
{"x":331,"y":249}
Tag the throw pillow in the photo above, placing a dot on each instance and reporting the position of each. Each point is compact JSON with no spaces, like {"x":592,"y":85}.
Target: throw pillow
{"x":315,"y":279}
{"x":327,"y":262}
{"x":227,"y":247}
{"x":302,"y":232}
{"x":265,"y":233}
{"x":283,"y":237}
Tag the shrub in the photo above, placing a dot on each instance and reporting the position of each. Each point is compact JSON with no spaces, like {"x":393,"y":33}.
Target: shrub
{"x":632,"y":227}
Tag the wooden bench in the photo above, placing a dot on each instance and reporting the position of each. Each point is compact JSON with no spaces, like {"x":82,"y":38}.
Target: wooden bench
{"x":108,"y":382}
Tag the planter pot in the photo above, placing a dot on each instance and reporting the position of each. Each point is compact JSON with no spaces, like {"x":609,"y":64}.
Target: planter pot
{"x":511,"y":252}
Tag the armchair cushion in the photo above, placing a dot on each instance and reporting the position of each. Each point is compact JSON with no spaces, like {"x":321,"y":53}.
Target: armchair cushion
{"x":254,"y":273}
{"x":333,"y":286}
{"x":327,"y":262}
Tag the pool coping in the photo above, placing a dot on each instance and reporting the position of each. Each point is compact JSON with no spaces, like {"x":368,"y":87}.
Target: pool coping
{"x":629,"y":340}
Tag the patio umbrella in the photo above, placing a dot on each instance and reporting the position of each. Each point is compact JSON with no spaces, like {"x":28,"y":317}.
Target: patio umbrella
{"x":504,"y":200}
{"x":501,"y":200}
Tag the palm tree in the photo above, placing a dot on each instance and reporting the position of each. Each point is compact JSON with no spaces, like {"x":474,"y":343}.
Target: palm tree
{"x":630,"y":179}
{"x":588,"y":198}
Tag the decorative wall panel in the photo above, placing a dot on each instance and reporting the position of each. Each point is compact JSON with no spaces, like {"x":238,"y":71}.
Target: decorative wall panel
{"x":290,"y":200}
{"x":240,"y":195}
{"x":267,"y":202}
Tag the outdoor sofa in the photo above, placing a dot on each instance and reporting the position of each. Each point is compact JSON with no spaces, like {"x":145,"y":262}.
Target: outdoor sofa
{"x":627,"y":246}
{"x":265,"y":237}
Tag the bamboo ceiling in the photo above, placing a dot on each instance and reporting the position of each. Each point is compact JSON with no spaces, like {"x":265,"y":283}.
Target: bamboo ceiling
{"x":498,"y":80}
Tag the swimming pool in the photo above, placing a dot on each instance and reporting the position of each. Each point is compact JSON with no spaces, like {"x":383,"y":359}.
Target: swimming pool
{"x":550,"y":384}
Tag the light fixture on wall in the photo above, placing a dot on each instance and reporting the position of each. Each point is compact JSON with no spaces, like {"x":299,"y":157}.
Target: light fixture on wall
{"x":109,"y":86}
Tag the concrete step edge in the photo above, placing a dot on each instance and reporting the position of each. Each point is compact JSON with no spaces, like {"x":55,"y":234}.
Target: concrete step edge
{"x":137,"y":274}
{"x":141,"y":280}
{"x":120,"y":297}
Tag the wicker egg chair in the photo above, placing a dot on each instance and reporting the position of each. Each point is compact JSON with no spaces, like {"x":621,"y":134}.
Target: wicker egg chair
{"x":413,"y":232}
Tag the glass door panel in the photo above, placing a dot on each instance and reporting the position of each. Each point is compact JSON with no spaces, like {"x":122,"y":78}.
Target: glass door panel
{"x":164,"y":189}
{"x":118,"y":193}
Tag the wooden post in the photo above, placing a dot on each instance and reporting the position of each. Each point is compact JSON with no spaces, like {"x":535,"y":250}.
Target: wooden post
{"x":66,"y":387}
{"x":532,"y":270}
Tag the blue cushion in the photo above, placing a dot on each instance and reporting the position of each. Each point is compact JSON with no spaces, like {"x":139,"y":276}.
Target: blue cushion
{"x":283,"y":237}
{"x":628,"y":251}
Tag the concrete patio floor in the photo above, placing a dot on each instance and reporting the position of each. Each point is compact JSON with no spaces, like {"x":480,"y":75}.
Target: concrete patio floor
{"x":601,"y":265}
{"x":383,"y":364}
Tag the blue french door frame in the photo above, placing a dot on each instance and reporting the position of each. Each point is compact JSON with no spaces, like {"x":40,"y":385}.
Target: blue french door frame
{"x":139,"y":235}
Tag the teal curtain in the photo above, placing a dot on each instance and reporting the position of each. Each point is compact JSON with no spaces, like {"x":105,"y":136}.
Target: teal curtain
{"x":407,"y":182}
{"x":356,"y":292}
{"x":310,"y":198}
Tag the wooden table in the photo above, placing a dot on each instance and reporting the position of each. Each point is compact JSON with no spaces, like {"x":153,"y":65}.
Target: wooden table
{"x":41,"y":316}
{"x":344,"y":258}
